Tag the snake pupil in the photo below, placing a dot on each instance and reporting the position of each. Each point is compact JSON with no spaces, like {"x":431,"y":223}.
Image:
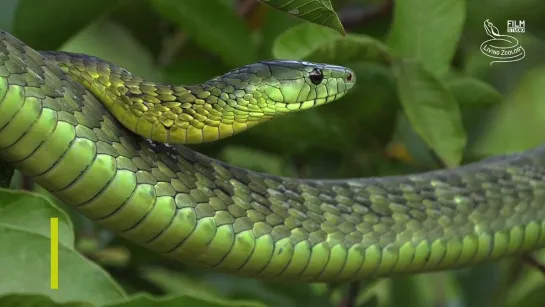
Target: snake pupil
{"x":316,"y":76}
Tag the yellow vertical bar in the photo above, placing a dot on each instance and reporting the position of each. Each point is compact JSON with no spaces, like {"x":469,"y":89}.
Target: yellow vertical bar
{"x":54,"y":253}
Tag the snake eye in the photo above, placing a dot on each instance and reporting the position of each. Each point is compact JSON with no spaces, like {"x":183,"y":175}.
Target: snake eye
{"x":316,"y":76}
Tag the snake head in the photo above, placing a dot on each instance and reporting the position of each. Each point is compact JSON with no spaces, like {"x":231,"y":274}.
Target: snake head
{"x":270,"y":88}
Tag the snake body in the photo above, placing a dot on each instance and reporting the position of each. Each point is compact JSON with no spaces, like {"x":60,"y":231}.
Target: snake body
{"x":66,"y":121}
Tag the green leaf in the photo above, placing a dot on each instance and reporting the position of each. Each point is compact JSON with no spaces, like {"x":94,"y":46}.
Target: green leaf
{"x":519,"y":119}
{"x":371,"y":302}
{"x":523,"y":281}
{"x":317,"y":11}
{"x":534,"y":297}
{"x":413,"y":291}
{"x":311,"y":42}
{"x":113,"y":43}
{"x":417,"y":151}
{"x":478,"y":284}
{"x":275,"y":22}
{"x":300,"y":41}
{"x":473,"y":92}
{"x":214,"y":26}
{"x":177,"y":283}
{"x":144,"y":300}
{"x":254,"y":159}
{"x":25,"y":300}
{"x":148,"y":29}
{"x":25,"y":254}
{"x":428,"y":31}
{"x":45,"y":25}
{"x":208,"y":284}
{"x":193,"y":70}
{"x":431,"y":110}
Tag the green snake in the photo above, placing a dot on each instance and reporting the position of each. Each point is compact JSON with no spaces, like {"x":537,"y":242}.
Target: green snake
{"x":108,"y":143}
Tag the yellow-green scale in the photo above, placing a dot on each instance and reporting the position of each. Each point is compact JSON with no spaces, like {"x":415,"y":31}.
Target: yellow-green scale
{"x":9,"y":106}
{"x":22,"y":121}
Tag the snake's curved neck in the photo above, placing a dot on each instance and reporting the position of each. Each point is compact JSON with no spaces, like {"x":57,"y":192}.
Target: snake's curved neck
{"x":188,"y":114}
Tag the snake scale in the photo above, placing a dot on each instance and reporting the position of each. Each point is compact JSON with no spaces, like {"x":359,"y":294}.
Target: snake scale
{"x":109,"y":144}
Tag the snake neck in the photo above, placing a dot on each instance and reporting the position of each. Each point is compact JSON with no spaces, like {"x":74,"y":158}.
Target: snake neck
{"x":176,"y":114}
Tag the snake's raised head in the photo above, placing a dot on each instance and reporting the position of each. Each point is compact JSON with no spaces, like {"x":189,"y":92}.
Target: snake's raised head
{"x":252,"y":94}
{"x":266,"y":89}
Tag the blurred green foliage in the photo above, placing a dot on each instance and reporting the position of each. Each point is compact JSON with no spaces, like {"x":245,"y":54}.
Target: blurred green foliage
{"x":426,"y":98}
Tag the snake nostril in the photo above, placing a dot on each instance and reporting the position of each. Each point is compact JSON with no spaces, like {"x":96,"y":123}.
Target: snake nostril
{"x":349,"y":77}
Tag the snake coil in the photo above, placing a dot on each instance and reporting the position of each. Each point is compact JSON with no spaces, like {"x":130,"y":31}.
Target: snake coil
{"x":92,"y":134}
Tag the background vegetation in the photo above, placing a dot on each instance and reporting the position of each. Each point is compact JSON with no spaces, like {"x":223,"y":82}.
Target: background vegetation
{"x":426,"y":98}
